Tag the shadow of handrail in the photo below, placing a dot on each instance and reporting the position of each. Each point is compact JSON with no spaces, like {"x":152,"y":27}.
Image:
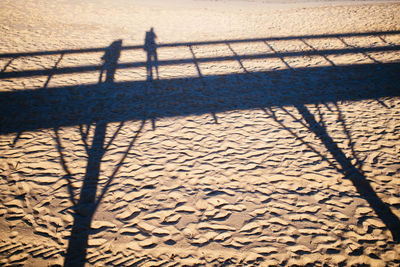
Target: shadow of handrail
{"x":200,"y":43}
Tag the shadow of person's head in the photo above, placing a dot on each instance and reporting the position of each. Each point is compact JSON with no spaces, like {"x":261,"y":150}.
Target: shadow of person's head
{"x":113,"y":52}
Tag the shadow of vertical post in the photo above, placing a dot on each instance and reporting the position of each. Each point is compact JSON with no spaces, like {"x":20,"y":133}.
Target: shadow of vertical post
{"x":358,"y":179}
{"x":87,"y":204}
{"x":196,"y":63}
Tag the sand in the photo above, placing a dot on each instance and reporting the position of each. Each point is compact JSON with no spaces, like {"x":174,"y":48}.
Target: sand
{"x":269,"y":137}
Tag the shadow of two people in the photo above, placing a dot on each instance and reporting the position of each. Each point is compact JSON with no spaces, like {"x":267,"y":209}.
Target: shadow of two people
{"x":113,"y":53}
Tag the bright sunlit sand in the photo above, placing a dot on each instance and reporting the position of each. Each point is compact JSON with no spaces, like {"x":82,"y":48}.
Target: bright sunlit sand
{"x":199,"y":133}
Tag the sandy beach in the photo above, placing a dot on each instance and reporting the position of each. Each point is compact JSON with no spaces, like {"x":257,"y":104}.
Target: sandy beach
{"x":199,"y":133}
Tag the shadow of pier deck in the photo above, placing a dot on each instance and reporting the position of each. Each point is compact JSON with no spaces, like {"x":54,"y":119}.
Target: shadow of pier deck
{"x":29,"y":110}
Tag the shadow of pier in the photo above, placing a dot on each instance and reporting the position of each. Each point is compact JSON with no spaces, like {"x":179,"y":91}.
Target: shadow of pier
{"x":111,"y":101}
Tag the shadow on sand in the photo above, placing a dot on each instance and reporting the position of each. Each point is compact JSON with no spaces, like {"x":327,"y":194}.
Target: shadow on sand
{"x":97,"y":105}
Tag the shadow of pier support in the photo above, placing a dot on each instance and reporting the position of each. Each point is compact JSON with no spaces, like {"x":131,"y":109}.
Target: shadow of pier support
{"x":358,"y":179}
{"x":86,"y":206}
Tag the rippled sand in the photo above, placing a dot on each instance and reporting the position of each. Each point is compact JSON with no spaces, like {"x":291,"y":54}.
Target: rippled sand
{"x":269,"y":137}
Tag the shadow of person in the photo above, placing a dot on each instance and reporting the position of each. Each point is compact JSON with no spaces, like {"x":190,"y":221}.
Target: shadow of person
{"x":150,"y":47}
{"x":110,"y":59}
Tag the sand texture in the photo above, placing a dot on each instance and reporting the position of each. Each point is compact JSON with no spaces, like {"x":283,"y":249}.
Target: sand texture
{"x":263,"y":134}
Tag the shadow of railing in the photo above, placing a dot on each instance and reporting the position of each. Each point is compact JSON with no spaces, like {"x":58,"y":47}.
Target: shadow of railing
{"x":106,"y":102}
{"x":378,"y":34}
{"x":120,"y":66}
